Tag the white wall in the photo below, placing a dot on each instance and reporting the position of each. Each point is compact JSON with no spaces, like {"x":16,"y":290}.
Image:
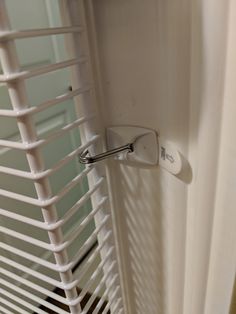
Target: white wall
{"x":163,"y":67}
{"x":145,"y":57}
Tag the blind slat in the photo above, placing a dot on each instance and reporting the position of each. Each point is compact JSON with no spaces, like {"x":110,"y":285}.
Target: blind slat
{"x":9,"y":35}
{"x":33,"y":297}
{"x":43,"y":106}
{"x":40,"y":71}
{"x":20,"y":301}
{"x":36,"y":287}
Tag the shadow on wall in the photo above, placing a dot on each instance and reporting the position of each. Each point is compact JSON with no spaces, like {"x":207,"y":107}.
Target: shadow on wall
{"x":144,"y":50}
{"x":142,"y":231}
{"x":233,"y":301}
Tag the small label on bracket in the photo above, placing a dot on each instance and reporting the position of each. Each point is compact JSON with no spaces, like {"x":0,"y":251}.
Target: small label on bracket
{"x":165,"y":155}
{"x":169,"y":157}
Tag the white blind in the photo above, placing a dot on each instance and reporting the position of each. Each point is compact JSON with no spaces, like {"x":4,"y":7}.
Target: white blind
{"x":42,"y":239}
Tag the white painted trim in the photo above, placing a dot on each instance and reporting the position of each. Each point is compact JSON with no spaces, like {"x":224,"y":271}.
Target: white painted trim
{"x":204,"y":227}
{"x":222,"y":263}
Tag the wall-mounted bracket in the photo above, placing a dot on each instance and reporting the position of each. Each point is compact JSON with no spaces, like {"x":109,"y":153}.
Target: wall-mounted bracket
{"x":145,"y":148}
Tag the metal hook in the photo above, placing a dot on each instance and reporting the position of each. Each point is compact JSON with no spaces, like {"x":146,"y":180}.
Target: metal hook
{"x":85,"y":158}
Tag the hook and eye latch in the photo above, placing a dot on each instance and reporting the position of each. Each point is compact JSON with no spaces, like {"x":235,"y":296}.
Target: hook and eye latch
{"x":85,"y":158}
{"x":145,"y":149}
